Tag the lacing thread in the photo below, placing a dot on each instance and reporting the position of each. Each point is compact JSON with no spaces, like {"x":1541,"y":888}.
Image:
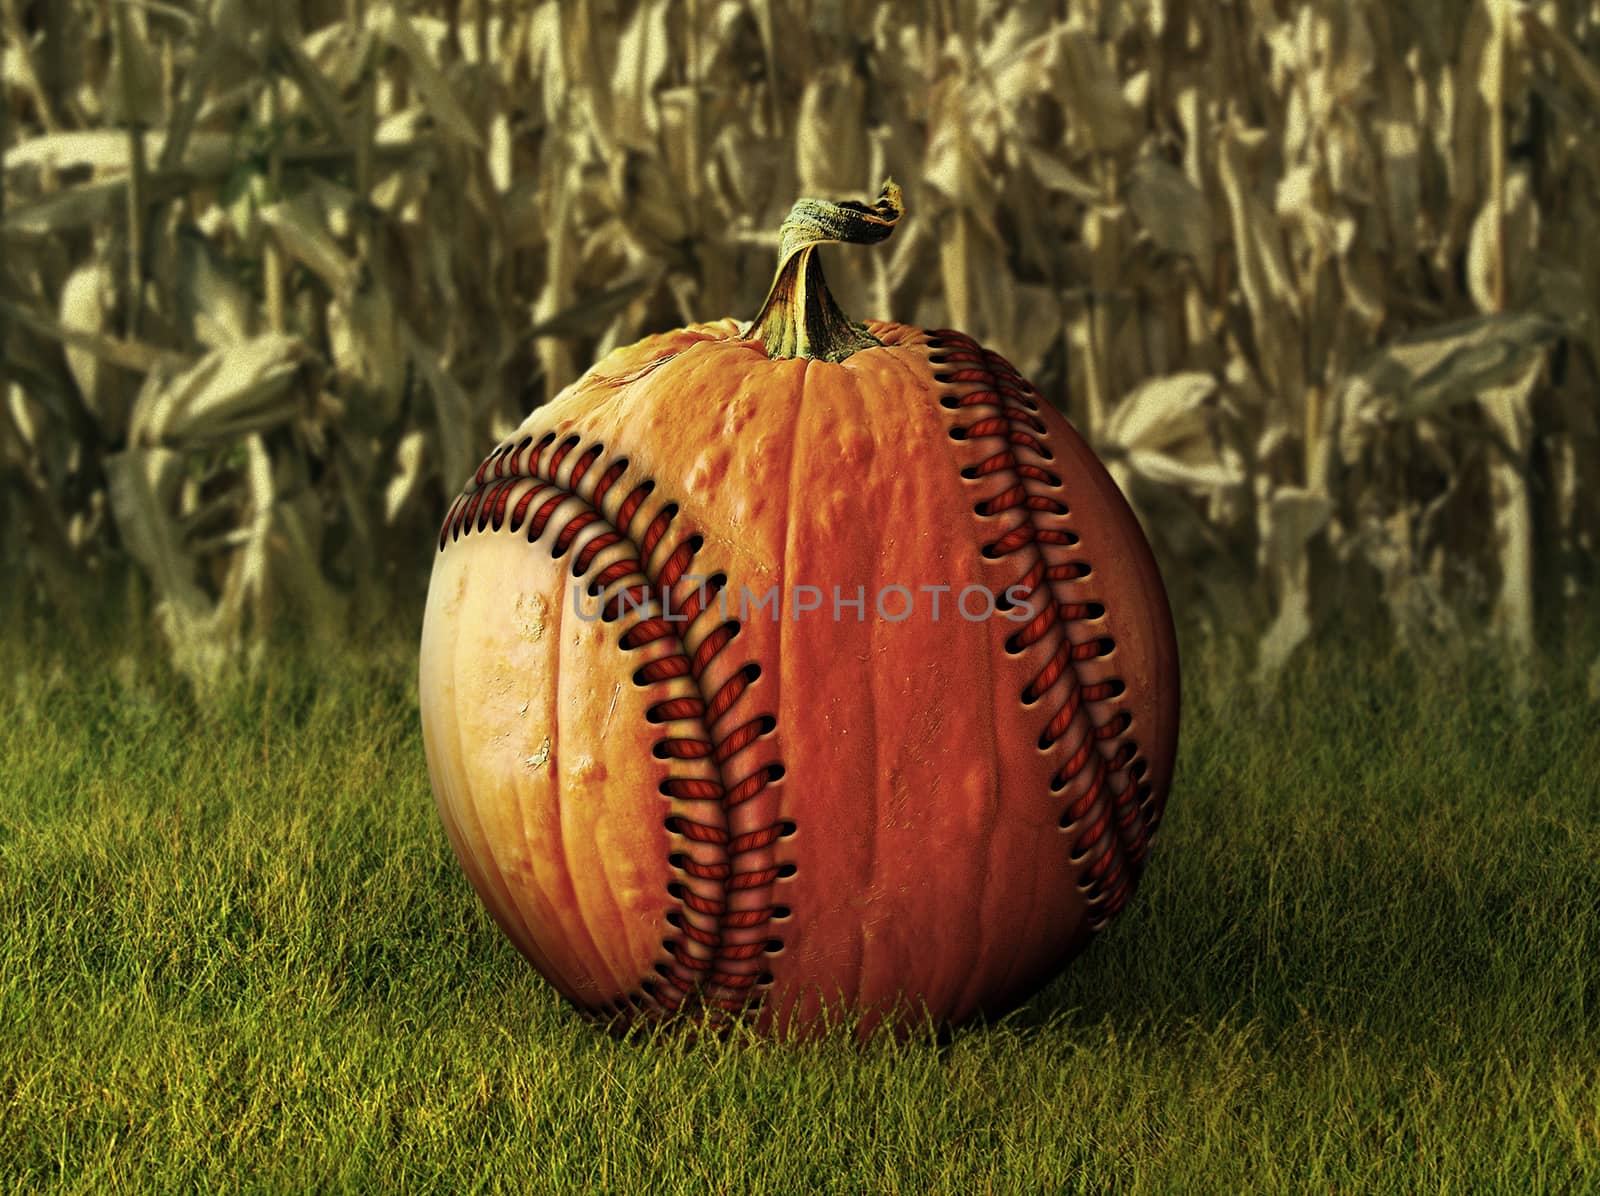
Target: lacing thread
{"x":518,"y":486}
{"x":1110,"y":826}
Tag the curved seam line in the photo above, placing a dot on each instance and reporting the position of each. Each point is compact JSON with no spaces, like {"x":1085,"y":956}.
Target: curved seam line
{"x":985,"y":360}
{"x":456,"y":525}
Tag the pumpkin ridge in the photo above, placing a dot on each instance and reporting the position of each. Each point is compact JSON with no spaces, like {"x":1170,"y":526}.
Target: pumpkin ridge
{"x":1110,"y":827}
{"x":697,"y":973}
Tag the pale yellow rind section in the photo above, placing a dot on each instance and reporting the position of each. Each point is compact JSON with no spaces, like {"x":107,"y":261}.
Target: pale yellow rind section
{"x":567,"y":848}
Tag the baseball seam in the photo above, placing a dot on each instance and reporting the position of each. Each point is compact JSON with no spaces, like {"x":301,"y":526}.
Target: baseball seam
{"x":1109,"y":814}
{"x":715,"y":961}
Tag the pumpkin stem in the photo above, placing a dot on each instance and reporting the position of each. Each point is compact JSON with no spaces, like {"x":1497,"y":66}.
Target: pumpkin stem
{"x":799,"y":317}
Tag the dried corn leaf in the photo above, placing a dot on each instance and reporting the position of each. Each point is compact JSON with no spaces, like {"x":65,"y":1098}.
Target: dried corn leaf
{"x":250,"y":571}
{"x":590,"y":314}
{"x":1290,"y":628}
{"x":231,"y":391}
{"x":219,"y":308}
{"x":1017,"y":59}
{"x":502,"y":159}
{"x":1055,"y":175}
{"x":1428,"y":372}
{"x":1161,"y":409}
{"x":110,"y":150}
{"x":452,"y":410}
{"x":1165,"y":432}
{"x":319,"y":92}
{"x":406,"y":477}
{"x":642,"y":57}
{"x":830,"y":139}
{"x":293,"y":566}
{"x":83,"y":205}
{"x":87,"y":299}
{"x":546,"y":62}
{"x":953,"y":164}
{"x":396,"y":28}
{"x":1289,"y":519}
{"x":137,"y":356}
{"x":1173,"y":210}
{"x":1484,"y":247}
{"x":142,"y":485}
{"x":1264,"y":273}
{"x":23,"y":410}
{"x":1399,"y":146}
{"x":1574,"y":62}
{"x":135,"y":92}
{"x":1091,"y":92}
{"x":35,"y":384}
{"x":1509,"y":409}
{"x":368,"y":353}
{"x":300,"y":230}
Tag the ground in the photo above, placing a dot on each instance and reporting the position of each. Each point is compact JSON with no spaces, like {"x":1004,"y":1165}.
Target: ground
{"x":236,"y":954}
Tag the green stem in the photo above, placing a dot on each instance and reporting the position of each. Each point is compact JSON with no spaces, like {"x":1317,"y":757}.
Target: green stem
{"x":799,"y":317}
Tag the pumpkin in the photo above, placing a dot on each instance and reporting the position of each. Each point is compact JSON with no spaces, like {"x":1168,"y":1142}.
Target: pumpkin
{"x":799,"y":668}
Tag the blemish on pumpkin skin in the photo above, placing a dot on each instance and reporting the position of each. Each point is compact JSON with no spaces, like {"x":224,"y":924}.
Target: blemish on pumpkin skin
{"x":530,"y":616}
{"x":758,"y":567}
{"x":616,"y":693}
{"x":630,"y":376}
{"x":498,"y":684}
{"x":709,"y":472}
{"x":897,"y":812}
{"x":855,"y":448}
{"x":540,"y":757}
{"x":737,"y":414}
{"x":975,"y":780}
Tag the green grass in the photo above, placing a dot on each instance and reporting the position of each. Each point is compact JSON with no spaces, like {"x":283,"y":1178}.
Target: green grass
{"x":236,"y":954}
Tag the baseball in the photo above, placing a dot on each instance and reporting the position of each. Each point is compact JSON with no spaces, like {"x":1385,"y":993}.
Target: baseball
{"x":786,"y":669}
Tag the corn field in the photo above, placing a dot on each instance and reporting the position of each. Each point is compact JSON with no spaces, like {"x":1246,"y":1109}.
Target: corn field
{"x":1320,"y":281}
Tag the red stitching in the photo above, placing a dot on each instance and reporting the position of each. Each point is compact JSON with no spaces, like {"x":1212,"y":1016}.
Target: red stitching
{"x":699,"y":599}
{"x":741,"y":737}
{"x":677,"y":708}
{"x":483,"y":504}
{"x":699,"y":831}
{"x":1001,"y":404}
{"x":562,"y":449}
{"x":685,"y":749}
{"x":722,"y":701}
